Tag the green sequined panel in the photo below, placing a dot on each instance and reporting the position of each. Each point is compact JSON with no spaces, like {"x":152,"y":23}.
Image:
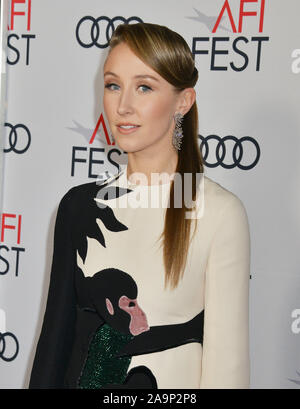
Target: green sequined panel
{"x":101,"y":366}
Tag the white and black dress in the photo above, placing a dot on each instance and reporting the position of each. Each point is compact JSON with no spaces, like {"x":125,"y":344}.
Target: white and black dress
{"x":110,"y":322}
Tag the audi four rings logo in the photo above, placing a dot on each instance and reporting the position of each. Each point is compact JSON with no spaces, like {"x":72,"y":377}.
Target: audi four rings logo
{"x":4,"y":339}
{"x":237,"y":151}
{"x":99,"y":29}
{"x":15,"y":137}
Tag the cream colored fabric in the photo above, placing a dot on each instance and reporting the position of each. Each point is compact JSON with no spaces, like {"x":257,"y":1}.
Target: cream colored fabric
{"x":216,"y":279}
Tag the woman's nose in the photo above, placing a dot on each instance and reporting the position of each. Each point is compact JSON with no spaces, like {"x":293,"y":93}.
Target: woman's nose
{"x":125,"y":102}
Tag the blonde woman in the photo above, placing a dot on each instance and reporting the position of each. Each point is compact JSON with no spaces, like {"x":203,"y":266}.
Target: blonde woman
{"x":135,"y":299}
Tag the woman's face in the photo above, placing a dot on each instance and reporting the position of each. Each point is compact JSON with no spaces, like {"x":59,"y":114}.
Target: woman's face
{"x":132,"y":97}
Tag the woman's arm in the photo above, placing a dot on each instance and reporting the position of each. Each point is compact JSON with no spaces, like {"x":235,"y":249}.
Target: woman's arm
{"x":225,"y":360}
{"x":56,"y":338}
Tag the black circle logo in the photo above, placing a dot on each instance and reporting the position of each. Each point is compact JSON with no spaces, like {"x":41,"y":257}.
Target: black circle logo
{"x":15,"y":137}
{"x":99,"y":29}
{"x":237,"y":151}
{"x":4,"y":339}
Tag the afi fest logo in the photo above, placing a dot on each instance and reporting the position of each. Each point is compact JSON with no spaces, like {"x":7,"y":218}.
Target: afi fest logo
{"x":19,"y":44}
{"x":237,"y":51}
{"x":10,"y":225}
{"x":89,"y":158}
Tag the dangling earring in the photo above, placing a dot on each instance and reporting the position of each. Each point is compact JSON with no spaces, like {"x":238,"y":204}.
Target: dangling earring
{"x":178,"y":133}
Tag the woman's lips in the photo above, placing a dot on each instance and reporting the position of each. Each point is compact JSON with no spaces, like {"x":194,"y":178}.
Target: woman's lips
{"x":127,"y":131}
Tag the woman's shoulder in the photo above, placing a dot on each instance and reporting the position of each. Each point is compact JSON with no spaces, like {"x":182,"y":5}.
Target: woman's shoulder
{"x":82,"y":193}
{"x":227,"y":214}
{"x":216,"y":190}
{"x":220,"y":199}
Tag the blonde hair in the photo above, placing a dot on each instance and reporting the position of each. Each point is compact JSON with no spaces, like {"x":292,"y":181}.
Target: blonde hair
{"x":166,"y":52}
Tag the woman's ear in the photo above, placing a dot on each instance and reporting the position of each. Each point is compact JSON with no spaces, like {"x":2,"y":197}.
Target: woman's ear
{"x":186,"y":100}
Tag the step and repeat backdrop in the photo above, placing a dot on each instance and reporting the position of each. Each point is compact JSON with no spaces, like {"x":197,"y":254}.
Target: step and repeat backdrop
{"x":56,"y":135}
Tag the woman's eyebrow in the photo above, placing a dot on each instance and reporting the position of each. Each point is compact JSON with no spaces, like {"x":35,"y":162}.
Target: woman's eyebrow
{"x":136,"y":76}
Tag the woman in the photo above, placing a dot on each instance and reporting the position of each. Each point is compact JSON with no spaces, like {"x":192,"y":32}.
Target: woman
{"x":123,"y":312}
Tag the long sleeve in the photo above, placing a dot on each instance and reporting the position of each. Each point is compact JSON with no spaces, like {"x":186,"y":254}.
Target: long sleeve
{"x":54,"y":345}
{"x":225,"y":360}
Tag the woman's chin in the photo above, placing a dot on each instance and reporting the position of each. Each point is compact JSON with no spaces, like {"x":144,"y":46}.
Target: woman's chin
{"x":128,"y":146}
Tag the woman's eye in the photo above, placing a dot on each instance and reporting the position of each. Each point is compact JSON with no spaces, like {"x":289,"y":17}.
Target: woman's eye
{"x":110,"y":85}
{"x":147,"y":88}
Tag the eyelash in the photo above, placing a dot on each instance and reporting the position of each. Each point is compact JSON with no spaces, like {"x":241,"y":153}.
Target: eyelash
{"x":142,"y":85}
